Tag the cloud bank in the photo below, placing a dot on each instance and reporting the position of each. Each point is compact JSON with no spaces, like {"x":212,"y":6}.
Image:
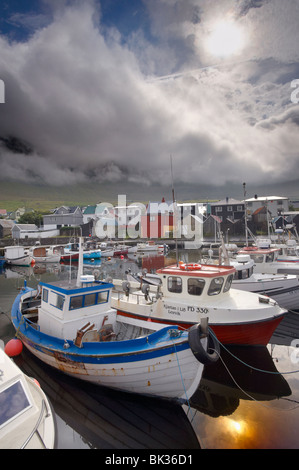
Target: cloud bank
{"x":94,"y":106}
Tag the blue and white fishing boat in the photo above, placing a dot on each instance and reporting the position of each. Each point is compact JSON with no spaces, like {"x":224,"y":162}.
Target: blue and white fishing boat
{"x":71,"y":326}
{"x":71,"y":252}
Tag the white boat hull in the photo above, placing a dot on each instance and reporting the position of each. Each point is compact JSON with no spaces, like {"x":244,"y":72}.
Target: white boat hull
{"x":170,"y":376}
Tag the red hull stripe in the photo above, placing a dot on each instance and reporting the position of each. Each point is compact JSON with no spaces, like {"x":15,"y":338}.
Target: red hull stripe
{"x":253,"y":334}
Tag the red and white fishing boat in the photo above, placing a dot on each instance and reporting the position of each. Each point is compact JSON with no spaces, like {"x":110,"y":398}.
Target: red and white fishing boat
{"x":267,"y":259}
{"x":190,"y":292}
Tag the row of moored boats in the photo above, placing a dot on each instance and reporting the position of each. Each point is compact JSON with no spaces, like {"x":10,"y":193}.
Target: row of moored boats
{"x":21,"y":256}
{"x":151,"y":334}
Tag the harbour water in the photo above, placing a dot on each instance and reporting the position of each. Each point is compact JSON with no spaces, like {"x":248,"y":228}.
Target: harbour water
{"x":247,"y":400}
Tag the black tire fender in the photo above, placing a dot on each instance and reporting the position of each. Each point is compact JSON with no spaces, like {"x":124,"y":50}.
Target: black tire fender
{"x":205,"y":356}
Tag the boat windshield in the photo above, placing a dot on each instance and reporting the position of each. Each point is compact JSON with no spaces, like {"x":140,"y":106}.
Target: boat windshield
{"x":215,"y":286}
{"x":13,"y":402}
{"x":174,"y":284}
{"x":228,"y":283}
{"x":195,"y":286}
{"x":257,"y":258}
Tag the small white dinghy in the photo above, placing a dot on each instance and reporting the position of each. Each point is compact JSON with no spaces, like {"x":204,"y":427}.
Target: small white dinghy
{"x":26,"y":417}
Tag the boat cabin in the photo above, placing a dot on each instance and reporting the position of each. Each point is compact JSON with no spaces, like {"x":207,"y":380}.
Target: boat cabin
{"x":66,"y":307}
{"x":260,"y":255}
{"x":244,"y":267}
{"x":196,"y":279}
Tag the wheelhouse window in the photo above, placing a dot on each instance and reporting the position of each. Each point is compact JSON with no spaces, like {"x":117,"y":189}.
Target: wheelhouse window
{"x":270,"y":258}
{"x":215,"y":286}
{"x":258,"y":258}
{"x":76,"y":302}
{"x":174,"y":284}
{"x":59,"y":301}
{"x":89,"y":299}
{"x":45,"y":295}
{"x":243,"y":273}
{"x":102,"y":297}
{"x":228,"y":283}
{"x":195,"y":286}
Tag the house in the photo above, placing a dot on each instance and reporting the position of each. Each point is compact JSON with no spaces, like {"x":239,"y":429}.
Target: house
{"x":6,"y":228}
{"x":89,"y":213}
{"x":229,"y":213}
{"x":22,"y":231}
{"x":64,"y":216}
{"x":3,"y":213}
{"x":276,"y":205}
{"x":228,"y":209}
{"x":15,"y":215}
{"x":191,"y":216}
{"x":158,"y":220}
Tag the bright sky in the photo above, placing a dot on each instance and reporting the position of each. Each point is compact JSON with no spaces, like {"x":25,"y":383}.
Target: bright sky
{"x":107,"y":90}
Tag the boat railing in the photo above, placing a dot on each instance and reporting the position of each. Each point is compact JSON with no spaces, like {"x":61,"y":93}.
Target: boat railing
{"x":29,"y":323}
{"x":44,"y":411}
{"x":121,"y":295}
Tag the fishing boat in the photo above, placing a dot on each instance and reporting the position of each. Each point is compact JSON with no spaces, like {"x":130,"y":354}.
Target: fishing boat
{"x":284,"y":288}
{"x":45,"y":254}
{"x":266,"y":259}
{"x":16,"y":255}
{"x":189,"y":292}
{"x":120,"y":249}
{"x":71,"y":253}
{"x":26,"y":417}
{"x":150,"y":246}
{"x":288,"y":251}
{"x":72,"y":327}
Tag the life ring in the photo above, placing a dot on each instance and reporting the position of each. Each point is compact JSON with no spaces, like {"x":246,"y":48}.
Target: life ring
{"x":190,"y":266}
{"x":205,"y":356}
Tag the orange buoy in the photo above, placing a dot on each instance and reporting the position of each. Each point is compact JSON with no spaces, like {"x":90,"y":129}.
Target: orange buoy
{"x":14,"y":347}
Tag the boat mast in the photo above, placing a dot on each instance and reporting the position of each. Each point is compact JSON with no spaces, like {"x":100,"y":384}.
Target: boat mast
{"x":245,"y":207}
{"x":175,"y":214}
{"x":80,"y":263}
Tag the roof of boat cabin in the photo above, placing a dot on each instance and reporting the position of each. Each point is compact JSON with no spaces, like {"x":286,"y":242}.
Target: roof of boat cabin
{"x":203,"y":270}
{"x":255,"y":250}
{"x":70,"y":287}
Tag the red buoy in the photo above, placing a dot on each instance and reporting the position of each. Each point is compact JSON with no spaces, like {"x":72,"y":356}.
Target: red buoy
{"x":14,"y":347}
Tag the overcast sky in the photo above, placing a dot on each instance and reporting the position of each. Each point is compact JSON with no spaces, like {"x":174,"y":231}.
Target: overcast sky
{"x":108,"y":90}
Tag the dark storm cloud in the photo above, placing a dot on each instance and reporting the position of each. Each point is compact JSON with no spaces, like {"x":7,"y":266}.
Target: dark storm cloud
{"x":90,"y":108}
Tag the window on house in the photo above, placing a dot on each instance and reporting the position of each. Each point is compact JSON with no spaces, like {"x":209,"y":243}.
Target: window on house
{"x":219,"y":209}
{"x":229,"y":208}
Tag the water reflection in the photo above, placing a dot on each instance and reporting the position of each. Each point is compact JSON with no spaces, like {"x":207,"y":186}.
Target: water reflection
{"x":106,"y":419}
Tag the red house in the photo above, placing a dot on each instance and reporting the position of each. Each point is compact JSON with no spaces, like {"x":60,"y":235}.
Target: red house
{"x":158,"y":220}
